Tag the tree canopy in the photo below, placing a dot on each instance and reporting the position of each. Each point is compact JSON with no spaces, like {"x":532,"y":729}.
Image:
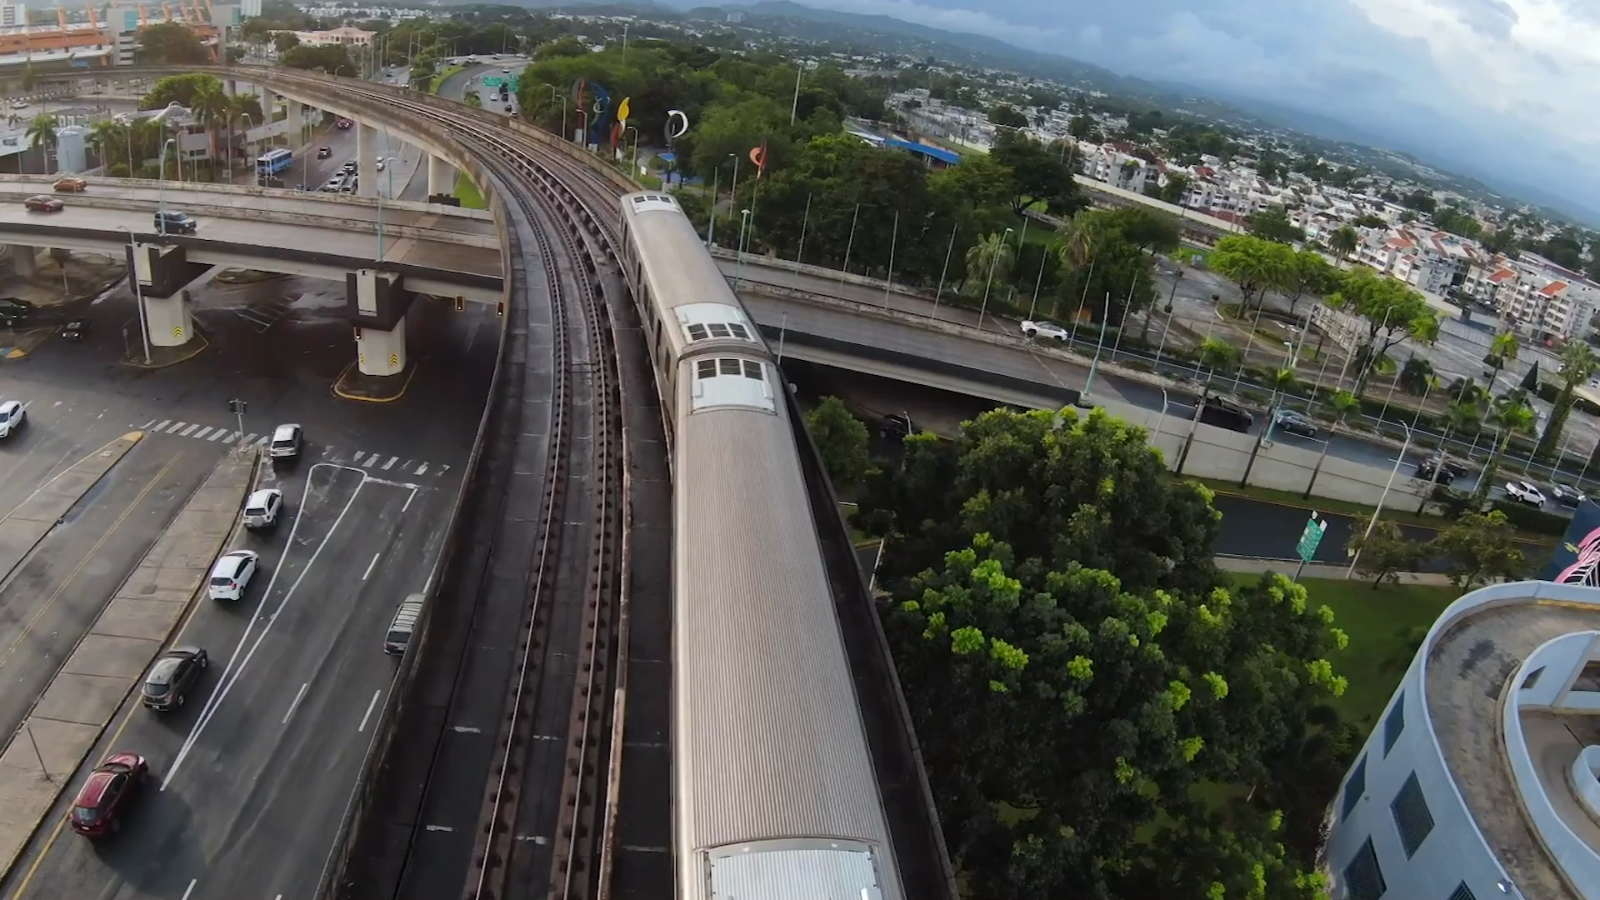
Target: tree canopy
{"x":1048,"y":581}
{"x":172,"y":44}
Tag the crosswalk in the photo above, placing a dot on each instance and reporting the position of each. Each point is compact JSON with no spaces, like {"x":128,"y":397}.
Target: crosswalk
{"x":372,"y":461}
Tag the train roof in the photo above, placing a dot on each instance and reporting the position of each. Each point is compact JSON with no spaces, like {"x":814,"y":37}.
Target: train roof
{"x":775,"y":777}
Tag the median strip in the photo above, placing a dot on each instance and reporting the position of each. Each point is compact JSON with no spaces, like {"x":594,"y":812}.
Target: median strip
{"x":65,"y":724}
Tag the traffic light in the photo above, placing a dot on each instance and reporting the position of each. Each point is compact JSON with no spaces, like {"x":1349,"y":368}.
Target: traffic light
{"x":500,"y":308}
{"x":461,"y":303}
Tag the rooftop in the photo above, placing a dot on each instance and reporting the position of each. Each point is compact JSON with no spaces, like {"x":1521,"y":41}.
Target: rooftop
{"x":1511,"y":716}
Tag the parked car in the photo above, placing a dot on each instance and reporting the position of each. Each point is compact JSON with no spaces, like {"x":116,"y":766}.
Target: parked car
{"x":231,"y":574}
{"x":1525,"y":492}
{"x":324,"y":152}
{"x":12,"y":416}
{"x":108,"y":793}
{"x":16,"y":307}
{"x":261,"y":510}
{"x":285,"y":442}
{"x":350,"y":166}
{"x":70,"y":185}
{"x":1044,"y":329}
{"x":43,"y":203}
{"x":1566,"y":495}
{"x":1224,"y":412}
{"x":174,"y":673}
{"x":509,"y":109}
{"x":170,"y":221}
{"x":76,"y":329}
{"x":1295,"y":423}
{"x":896,"y":427}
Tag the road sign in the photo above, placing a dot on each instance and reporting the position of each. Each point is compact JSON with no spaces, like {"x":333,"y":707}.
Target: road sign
{"x":493,"y":81}
{"x":1311,"y":537}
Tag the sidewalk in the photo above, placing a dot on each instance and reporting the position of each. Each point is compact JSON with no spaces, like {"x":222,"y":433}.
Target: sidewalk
{"x":1316,"y":570}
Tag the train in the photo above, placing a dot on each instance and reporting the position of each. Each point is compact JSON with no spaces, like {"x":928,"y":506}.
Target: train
{"x":774,"y":793}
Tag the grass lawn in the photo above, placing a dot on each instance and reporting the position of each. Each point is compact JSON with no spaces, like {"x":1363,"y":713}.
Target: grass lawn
{"x":1377,"y":622}
{"x":468,"y":194}
{"x":438,"y":79}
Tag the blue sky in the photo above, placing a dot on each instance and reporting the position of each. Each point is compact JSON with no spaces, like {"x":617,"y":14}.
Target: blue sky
{"x":1486,"y":87}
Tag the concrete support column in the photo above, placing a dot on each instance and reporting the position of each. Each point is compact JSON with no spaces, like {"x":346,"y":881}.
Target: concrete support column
{"x":380,"y":352}
{"x":441,"y":177}
{"x":169,"y":319}
{"x":297,"y":123}
{"x":367,"y":160}
{"x":24,"y":260}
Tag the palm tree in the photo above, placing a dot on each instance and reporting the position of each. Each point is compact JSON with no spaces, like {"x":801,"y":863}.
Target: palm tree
{"x":42,"y":132}
{"x":210,"y":108}
{"x":1577,"y":364}
{"x":107,"y":138}
{"x":1343,"y":403}
{"x":1216,"y":353}
{"x":992,"y":256}
{"x":1457,"y":417}
{"x":1502,"y":349}
{"x":243,"y":108}
{"x":1343,"y":242}
{"x":1510,"y":414}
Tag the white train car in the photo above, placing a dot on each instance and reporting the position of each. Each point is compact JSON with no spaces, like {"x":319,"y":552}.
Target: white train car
{"x":774,"y":793}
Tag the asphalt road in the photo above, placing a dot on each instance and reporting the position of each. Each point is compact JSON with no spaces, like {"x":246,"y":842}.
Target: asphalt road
{"x":260,"y":765}
{"x":51,"y":599}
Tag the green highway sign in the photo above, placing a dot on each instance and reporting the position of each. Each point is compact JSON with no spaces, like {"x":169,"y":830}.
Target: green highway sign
{"x":1310,"y":538}
{"x":492,"y":81}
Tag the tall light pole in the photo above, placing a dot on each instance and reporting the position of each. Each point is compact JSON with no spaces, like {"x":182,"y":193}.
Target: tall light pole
{"x":988,"y":282}
{"x":1399,"y":459}
{"x":249,"y":124}
{"x":733,"y":192}
{"x":711,"y":226}
{"x":744,"y":226}
{"x":799,"y":72}
{"x":805,"y":220}
{"x":161,"y":187}
{"x":553,"y":95}
{"x":894,"y":238}
{"x":138,"y":292}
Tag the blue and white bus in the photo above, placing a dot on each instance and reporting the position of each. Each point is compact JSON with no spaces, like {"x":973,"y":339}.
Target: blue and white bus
{"x":273,"y":161}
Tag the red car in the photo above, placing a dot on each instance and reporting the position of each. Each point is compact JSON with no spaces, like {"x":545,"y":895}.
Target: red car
{"x":105,"y":797}
{"x":43,"y":203}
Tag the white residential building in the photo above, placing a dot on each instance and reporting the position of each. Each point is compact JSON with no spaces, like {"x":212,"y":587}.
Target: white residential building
{"x":1479,"y":782}
{"x":13,"y":15}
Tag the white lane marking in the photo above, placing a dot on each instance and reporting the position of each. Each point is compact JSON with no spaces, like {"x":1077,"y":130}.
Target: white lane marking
{"x":279,"y":897}
{"x":370,"y":460}
{"x":175,"y":427}
{"x":190,"y":430}
{"x":199,"y":435}
{"x":190,"y":889}
{"x":231,"y":673}
{"x":539,"y":839}
{"x":422,"y":469}
{"x":390,"y":464}
{"x":399,"y":484}
{"x":217,"y":434}
{"x":371,"y":564}
{"x":412,"y":497}
{"x":151,"y":425}
{"x":370,"y":707}
{"x":465,"y":729}
{"x":262,"y":441}
{"x":232,"y":436}
{"x":250,"y":437}
{"x":546,"y":737}
{"x":296,"y":704}
{"x":439,"y":828}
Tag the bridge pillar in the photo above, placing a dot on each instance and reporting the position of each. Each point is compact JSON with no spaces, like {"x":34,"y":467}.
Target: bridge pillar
{"x":24,"y":260}
{"x":170,"y":319}
{"x":380,"y":352}
{"x":441,"y":177}
{"x":367,"y":160}
{"x":297,"y":122}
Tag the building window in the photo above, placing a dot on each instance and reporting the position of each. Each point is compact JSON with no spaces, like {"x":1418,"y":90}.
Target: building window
{"x":1354,"y":788}
{"x":1411,"y":816}
{"x":1462,"y":892}
{"x":1363,"y":880}
{"x":1394,"y":723}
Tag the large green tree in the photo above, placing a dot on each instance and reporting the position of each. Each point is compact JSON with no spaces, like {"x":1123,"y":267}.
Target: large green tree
{"x":842,"y":440}
{"x":1391,"y":311}
{"x":171,"y":44}
{"x":1039,"y":174}
{"x":1050,"y":580}
{"x":179,"y":89}
{"x":1255,"y":264}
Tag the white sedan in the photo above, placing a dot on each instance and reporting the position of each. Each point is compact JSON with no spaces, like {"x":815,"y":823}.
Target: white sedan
{"x":1525,"y":492}
{"x":12,"y":415}
{"x":1044,"y":329}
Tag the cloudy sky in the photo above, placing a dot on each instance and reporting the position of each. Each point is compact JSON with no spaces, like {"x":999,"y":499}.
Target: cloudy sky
{"x":1482,"y":86}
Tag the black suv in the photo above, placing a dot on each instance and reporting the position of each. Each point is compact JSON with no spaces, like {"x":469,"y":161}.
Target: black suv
{"x":172,"y":676}
{"x":168,"y":221}
{"x":1452,"y":470}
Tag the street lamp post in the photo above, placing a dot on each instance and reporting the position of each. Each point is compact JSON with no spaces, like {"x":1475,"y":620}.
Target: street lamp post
{"x":1399,"y":459}
{"x":138,"y":292}
{"x":988,"y":282}
{"x":733,"y":192}
{"x":744,"y":226}
{"x":711,"y":225}
{"x":161,"y":186}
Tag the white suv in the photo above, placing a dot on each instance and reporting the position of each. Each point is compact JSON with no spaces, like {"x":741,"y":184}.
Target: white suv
{"x":1044,"y":329}
{"x":261,"y":510}
{"x":1525,"y":492}
{"x":12,"y":415}
{"x":285,"y":442}
{"x":231,"y":575}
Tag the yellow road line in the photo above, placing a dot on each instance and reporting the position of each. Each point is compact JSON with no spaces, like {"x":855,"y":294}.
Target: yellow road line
{"x":62,"y":587}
